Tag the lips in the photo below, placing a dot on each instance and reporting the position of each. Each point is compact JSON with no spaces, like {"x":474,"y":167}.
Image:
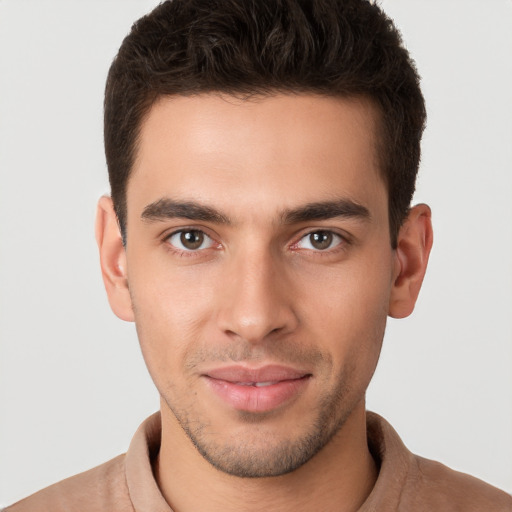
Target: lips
{"x":257,"y":389}
{"x":258,"y":384}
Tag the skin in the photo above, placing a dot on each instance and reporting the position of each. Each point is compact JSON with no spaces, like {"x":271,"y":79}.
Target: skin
{"x":258,"y":290}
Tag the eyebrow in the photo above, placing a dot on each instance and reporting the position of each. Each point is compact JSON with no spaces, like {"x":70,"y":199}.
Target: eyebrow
{"x":167,"y":208}
{"x":326,"y":210}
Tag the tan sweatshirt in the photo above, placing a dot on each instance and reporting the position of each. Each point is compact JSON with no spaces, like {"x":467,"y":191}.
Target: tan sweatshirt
{"x":406,"y":482}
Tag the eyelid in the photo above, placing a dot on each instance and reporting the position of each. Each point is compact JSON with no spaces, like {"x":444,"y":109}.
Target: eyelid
{"x":184,"y":251}
{"x":343,"y":240}
{"x":168,"y":232}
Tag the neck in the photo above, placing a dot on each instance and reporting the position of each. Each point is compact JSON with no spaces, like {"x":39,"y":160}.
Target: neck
{"x":338,"y":478}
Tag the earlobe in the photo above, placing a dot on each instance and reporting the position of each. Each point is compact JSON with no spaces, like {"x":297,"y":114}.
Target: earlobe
{"x":413,"y":249}
{"x":113,"y":259}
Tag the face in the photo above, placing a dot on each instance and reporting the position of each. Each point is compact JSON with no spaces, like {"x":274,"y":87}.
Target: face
{"x":260,"y":271}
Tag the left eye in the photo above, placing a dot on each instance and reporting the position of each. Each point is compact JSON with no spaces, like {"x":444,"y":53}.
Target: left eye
{"x":190,"y":240}
{"x":319,"y":240}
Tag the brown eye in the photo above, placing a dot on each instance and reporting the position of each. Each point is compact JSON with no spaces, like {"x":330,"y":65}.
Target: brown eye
{"x":320,"y":240}
{"x":190,"y":240}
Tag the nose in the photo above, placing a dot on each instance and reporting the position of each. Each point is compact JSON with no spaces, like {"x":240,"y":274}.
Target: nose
{"x":257,"y":298}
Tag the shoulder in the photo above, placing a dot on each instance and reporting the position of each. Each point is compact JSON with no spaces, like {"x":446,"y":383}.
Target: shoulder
{"x":408,"y":482}
{"x":102,"y":488}
{"x":434,"y":485}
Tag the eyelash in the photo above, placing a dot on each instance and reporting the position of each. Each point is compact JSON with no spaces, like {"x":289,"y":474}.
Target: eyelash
{"x":188,"y":252}
{"x":342,"y":243}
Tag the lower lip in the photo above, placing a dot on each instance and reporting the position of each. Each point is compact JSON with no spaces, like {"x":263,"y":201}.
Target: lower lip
{"x":257,"y":399}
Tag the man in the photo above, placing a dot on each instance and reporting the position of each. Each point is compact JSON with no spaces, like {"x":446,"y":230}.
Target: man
{"x":262,"y":161}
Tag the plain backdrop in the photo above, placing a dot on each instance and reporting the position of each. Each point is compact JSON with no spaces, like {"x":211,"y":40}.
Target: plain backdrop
{"x":73,"y":386}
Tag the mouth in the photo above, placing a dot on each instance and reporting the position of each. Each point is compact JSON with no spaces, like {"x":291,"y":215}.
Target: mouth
{"x":257,"y":390}
{"x":258,"y":384}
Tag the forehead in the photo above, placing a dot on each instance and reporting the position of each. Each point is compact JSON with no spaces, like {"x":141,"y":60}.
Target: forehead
{"x":271,"y":150}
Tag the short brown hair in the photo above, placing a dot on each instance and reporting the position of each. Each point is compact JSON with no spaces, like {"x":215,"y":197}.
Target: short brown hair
{"x":246,"y":47}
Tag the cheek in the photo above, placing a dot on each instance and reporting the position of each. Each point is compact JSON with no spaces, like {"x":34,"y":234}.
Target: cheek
{"x":350,"y":296}
{"x":167,"y":293}
{"x":172,"y":309}
{"x":346,"y":308}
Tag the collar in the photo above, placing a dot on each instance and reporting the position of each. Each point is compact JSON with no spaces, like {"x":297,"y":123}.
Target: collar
{"x":390,"y":454}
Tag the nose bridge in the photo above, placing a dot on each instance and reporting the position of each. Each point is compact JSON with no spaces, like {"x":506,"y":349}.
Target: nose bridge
{"x":256,"y":301}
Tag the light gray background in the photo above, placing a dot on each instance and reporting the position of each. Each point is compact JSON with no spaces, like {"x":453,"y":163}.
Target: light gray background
{"x":73,"y":386}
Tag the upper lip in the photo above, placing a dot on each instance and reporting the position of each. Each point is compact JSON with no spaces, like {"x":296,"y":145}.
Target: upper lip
{"x":243,"y":374}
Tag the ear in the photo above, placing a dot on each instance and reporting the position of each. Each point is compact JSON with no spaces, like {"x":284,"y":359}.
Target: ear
{"x":411,"y":257}
{"x":113,"y":259}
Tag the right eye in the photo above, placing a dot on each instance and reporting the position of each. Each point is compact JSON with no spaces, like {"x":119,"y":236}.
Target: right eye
{"x":190,"y":240}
